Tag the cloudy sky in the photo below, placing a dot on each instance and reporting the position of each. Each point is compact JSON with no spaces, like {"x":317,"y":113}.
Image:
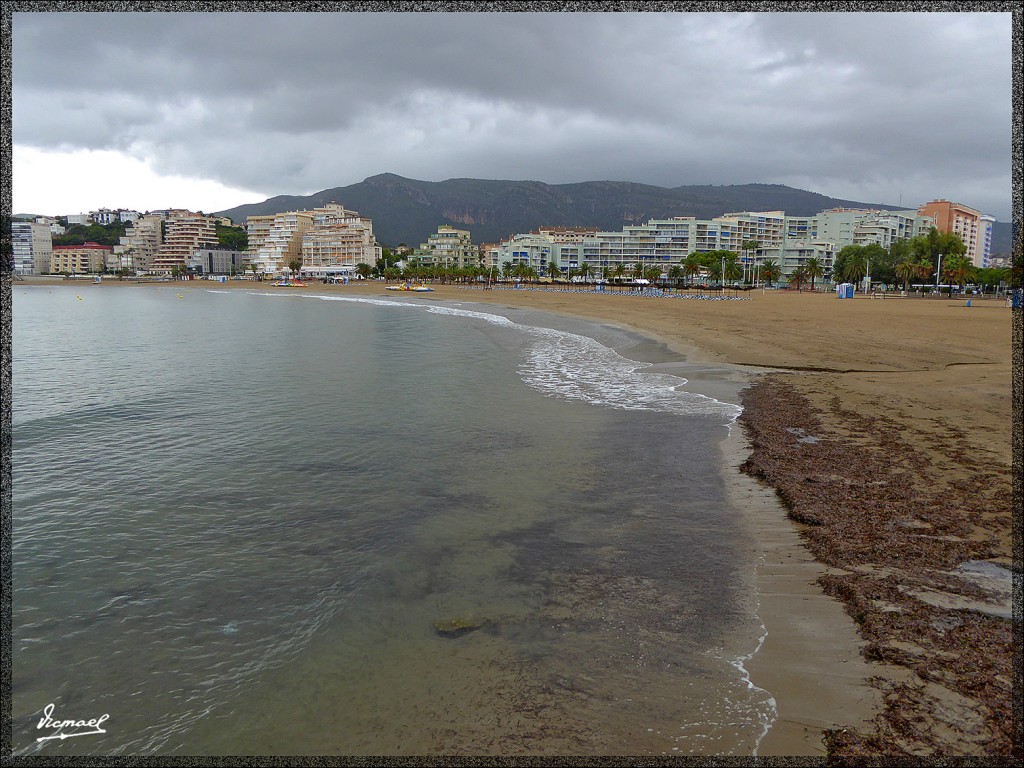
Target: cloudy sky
{"x":208,"y":111}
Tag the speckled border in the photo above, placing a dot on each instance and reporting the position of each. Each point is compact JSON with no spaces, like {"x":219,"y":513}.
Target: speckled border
{"x":566,"y":7}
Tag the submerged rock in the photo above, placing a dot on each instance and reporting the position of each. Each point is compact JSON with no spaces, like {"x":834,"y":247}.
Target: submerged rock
{"x":457,"y":627}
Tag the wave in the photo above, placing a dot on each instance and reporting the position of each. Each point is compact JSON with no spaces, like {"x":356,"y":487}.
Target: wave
{"x":575,"y":367}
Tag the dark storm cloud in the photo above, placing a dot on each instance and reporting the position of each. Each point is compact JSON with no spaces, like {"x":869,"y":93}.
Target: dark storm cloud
{"x":863,"y":106}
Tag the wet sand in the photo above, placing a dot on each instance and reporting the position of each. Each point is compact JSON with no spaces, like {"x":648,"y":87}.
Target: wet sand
{"x":879,"y":431}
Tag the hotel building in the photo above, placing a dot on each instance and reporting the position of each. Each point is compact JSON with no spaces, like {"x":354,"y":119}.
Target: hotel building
{"x":973,"y":227}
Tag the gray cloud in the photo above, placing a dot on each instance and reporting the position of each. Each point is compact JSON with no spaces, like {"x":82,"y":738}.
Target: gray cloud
{"x":862,"y":106}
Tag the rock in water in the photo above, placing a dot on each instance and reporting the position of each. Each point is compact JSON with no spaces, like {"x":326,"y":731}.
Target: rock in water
{"x":458,"y":626}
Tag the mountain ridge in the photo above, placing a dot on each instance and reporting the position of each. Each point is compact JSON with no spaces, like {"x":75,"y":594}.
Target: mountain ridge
{"x":407,"y":210}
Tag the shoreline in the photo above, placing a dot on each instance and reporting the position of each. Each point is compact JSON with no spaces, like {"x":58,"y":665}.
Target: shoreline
{"x":920,"y":380}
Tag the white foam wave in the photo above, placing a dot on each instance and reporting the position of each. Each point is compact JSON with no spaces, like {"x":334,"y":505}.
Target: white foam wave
{"x":575,"y":367}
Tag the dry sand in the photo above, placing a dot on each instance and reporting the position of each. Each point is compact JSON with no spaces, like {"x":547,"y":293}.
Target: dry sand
{"x":921,"y":383}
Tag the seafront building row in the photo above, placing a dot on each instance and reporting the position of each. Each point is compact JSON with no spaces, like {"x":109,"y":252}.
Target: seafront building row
{"x":758,"y":236}
{"x":332,"y":241}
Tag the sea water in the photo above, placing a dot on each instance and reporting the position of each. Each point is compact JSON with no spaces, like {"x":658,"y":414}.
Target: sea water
{"x":239,"y":516}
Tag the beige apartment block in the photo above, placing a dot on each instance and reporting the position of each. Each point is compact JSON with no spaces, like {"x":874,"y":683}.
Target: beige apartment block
{"x":567,"y":234}
{"x":337,"y":241}
{"x":140,"y":244}
{"x":282,"y":242}
{"x":77,"y":259}
{"x":256,"y":229}
{"x":184,"y":233}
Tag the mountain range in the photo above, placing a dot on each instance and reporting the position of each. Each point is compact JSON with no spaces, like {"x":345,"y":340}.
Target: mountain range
{"x":408,"y":211}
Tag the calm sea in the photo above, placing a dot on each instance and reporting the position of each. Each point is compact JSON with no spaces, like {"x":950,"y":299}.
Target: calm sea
{"x":239,"y":514}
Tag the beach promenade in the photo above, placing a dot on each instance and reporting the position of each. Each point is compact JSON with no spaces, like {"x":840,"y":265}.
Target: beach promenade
{"x":875,"y":466}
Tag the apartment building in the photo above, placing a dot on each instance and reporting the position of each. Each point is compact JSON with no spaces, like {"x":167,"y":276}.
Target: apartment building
{"x":139,"y":245}
{"x":256,"y":229}
{"x":280,"y":243}
{"x":31,"y":245}
{"x":862,"y":226}
{"x":217,"y":261}
{"x":668,"y":242}
{"x":564,"y":235}
{"x":448,"y":246}
{"x":77,"y":259}
{"x":973,"y":227}
{"x":184,"y":232}
{"x":337,"y":241}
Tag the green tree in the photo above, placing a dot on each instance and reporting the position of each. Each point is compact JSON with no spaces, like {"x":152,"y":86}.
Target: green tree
{"x":814,"y":268}
{"x":928,"y":247}
{"x":770,"y":271}
{"x":364,"y":270}
{"x":692,"y":266}
{"x":554,"y":270}
{"x":906,"y":271}
{"x":733,"y":268}
{"x":798,"y":277}
{"x":585,"y":271}
{"x":235,"y":238}
{"x":958,"y":270}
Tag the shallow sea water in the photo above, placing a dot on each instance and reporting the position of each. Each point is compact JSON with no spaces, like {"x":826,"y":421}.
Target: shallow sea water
{"x":239,"y":514}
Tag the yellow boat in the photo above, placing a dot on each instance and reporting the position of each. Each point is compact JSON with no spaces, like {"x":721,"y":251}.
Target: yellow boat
{"x":419,"y":287}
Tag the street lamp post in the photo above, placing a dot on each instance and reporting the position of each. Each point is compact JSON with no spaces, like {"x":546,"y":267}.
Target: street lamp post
{"x":938,"y":274}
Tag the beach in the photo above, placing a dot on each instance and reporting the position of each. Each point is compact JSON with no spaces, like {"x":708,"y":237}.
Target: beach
{"x":873,"y":461}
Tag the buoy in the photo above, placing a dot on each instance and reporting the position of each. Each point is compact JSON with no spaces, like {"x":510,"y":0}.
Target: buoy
{"x":180,"y":296}
{"x":78,"y":297}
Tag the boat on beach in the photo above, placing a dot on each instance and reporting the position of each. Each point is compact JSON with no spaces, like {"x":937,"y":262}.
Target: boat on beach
{"x":418,"y":287}
{"x":289,"y":284}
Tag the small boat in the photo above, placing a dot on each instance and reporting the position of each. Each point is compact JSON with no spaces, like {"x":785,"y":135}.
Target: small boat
{"x":289,"y":284}
{"x":418,"y":287}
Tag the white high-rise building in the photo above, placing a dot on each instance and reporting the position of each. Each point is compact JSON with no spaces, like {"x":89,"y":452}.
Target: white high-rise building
{"x":32,"y":247}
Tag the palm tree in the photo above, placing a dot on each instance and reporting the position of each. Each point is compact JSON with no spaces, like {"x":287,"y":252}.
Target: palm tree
{"x":906,"y":270}
{"x":855,"y":269}
{"x":619,"y":271}
{"x":814,"y":268}
{"x":798,"y":277}
{"x":638,"y":270}
{"x":553,"y":270}
{"x":691,"y":266}
{"x":770,"y":271}
{"x":585,"y":271}
{"x":714,"y":269}
{"x":675,"y":274}
{"x":959,"y":270}
{"x":733,"y":269}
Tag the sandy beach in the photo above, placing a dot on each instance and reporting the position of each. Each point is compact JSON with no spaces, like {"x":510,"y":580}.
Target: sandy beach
{"x":874,"y":459}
